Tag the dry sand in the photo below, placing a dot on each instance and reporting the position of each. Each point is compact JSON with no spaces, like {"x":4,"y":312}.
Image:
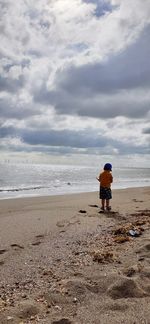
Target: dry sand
{"x":61,"y":261}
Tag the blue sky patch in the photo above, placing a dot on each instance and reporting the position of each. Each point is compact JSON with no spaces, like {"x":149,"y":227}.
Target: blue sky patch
{"x":102,"y":7}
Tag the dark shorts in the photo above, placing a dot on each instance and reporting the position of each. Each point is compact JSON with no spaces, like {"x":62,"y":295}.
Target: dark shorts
{"x":105,"y":193}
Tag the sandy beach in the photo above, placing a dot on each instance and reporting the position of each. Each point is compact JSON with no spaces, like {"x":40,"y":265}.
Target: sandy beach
{"x":64,"y":261}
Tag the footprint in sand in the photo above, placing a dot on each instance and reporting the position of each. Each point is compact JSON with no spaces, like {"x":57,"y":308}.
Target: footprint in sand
{"x":36,"y":243}
{"x":82,"y":211}
{"x":62,"y":223}
{"x":112,"y":214}
{"x":66,"y":224}
{"x":27,"y":309}
{"x":125,"y":288}
{"x":75,"y":222}
{"x":144,"y":280}
{"x":135,"y":200}
{"x":76,"y":287}
{"x":15,"y":245}
{"x":39,"y":236}
{"x":62,"y":231}
{"x":2,"y":251}
{"x":72,"y":288}
{"x":93,"y":206}
{"x":116,"y":307}
{"x":144,"y":248}
{"x":144,"y":251}
{"x":62,"y":321}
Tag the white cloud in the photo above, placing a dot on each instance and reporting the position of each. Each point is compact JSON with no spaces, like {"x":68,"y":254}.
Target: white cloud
{"x":76,"y":65}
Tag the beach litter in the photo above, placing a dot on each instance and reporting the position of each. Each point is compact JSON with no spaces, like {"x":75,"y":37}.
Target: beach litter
{"x":121,"y":239}
{"x":124,"y":232}
{"x":103,"y":256}
{"x":134,"y":233}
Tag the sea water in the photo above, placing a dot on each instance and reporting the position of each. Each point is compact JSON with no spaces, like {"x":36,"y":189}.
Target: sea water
{"x":23,"y":180}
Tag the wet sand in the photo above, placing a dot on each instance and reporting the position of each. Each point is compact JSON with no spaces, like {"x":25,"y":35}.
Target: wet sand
{"x":64,"y":261}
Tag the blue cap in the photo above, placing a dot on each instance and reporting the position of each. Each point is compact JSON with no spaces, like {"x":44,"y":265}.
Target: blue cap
{"x":108,"y":167}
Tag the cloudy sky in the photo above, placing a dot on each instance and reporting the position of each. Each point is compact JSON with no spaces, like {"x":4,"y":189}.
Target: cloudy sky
{"x":75,"y":79}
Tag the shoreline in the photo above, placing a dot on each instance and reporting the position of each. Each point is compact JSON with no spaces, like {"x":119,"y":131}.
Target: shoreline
{"x":59,"y":259}
{"x":68,"y":193}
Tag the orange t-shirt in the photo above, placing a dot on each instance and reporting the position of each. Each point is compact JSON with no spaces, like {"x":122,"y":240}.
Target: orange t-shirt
{"x":105,"y":179}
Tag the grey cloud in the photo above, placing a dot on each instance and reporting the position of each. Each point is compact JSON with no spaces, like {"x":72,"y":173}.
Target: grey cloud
{"x":63,"y":138}
{"x":146,"y":131}
{"x":127,"y":70}
{"x":7,"y":131}
{"x":9,"y":109}
{"x":11,"y":85}
{"x":34,"y":53}
{"x":110,"y":106}
{"x":69,"y":141}
{"x":73,"y":139}
{"x":23,"y":63}
{"x":104,"y":90}
{"x":116,"y":87}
